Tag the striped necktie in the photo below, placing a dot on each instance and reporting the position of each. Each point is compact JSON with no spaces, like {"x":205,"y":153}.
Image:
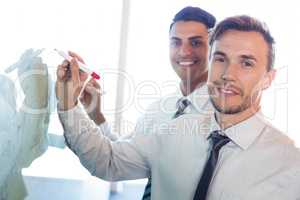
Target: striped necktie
{"x":182,"y":104}
{"x":218,"y":141}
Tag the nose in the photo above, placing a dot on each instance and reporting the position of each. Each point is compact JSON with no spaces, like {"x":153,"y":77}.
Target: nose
{"x":185,"y":50}
{"x":229,"y":72}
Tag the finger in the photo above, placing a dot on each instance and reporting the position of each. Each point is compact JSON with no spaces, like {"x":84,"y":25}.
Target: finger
{"x":75,"y":55}
{"x":86,"y":90}
{"x":75,"y":70}
{"x":94,"y":83}
{"x":66,"y":66}
{"x":83,"y":76}
{"x":65,"y":63}
{"x":90,"y":89}
{"x":61,"y":72}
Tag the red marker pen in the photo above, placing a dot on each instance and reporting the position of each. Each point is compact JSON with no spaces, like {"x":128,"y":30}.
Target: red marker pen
{"x":82,"y":66}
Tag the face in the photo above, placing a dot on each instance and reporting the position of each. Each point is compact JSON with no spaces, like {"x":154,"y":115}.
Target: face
{"x":238,"y":71}
{"x":188,"y":51}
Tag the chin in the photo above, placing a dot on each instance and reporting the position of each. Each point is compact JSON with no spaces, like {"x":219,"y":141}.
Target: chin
{"x":186,"y":78}
{"x":226,"y":109}
{"x":232,"y":110}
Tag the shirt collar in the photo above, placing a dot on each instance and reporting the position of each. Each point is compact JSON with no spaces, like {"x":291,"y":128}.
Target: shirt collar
{"x":198,"y":98}
{"x":244,"y":133}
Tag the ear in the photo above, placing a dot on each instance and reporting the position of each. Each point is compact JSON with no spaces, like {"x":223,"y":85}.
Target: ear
{"x":268,"y":79}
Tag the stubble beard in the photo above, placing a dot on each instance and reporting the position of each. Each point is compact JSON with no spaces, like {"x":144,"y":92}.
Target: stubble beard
{"x":248,"y":101}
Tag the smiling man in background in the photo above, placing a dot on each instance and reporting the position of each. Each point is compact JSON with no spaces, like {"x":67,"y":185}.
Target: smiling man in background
{"x":188,"y":52}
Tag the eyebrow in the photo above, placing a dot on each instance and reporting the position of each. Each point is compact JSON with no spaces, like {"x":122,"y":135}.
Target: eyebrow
{"x":196,"y":37}
{"x":174,"y":38}
{"x":190,"y":38}
{"x":249,"y":57}
{"x":219,"y":53}
{"x":242,"y":56}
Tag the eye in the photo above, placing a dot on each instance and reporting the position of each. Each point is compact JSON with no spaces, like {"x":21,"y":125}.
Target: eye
{"x":196,"y":43}
{"x":175,"y":43}
{"x":247,"y":63}
{"x":219,"y":59}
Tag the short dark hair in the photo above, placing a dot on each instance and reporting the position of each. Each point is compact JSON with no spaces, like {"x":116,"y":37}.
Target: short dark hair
{"x":197,"y":14}
{"x":246,"y":23}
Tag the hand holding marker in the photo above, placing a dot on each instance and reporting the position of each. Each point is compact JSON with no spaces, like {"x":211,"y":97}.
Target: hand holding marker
{"x":82,"y":66}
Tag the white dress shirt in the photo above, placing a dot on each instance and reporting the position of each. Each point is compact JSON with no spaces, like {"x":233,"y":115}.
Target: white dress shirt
{"x":259,"y":163}
{"x":162,"y":111}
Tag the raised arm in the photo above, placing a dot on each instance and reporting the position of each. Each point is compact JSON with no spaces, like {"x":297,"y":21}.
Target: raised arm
{"x":120,"y":160}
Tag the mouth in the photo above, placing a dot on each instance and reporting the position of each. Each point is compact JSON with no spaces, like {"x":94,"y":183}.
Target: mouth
{"x":228,"y":91}
{"x":187,"y":63}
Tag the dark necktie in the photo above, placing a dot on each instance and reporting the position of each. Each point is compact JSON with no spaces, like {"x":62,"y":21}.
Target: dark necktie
{"x":147,"y":191}
{"x":218,"y":141}
{"x":182,"y":104}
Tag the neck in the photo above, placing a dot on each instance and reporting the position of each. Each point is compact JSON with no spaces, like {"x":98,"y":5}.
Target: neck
{"x":187,"y":87}
{"x":227,"y":120}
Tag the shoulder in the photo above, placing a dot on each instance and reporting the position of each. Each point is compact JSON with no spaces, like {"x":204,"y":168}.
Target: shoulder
{"x":282,"y":146}
{"x":164,"y":105}
{"x":276,"y":136}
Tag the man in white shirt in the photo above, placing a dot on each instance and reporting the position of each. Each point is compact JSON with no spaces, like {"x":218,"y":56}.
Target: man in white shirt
{"x":250,"y":160}
{"x":257,"y":160}
{"x":188,"y":37}
{"x":188,"y":55}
